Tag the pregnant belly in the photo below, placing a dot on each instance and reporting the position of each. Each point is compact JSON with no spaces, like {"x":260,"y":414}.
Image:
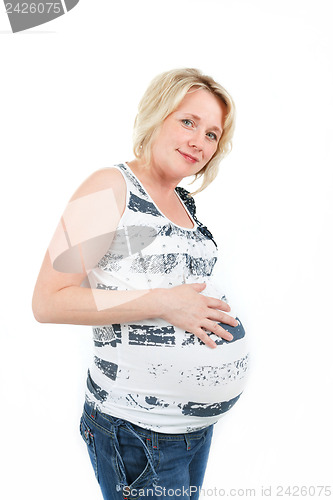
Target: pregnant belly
{"x":216,"y":374}
{"x":163,"y":369}
{"x":172,"y":367}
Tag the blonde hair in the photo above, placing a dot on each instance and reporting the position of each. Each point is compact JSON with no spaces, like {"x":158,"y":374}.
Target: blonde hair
{"x":162,"y":97}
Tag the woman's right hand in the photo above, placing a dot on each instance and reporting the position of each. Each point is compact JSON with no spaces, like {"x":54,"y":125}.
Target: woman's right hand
{"x":185,"y":307}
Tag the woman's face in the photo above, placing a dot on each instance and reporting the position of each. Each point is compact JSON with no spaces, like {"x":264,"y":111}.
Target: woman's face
{"x":189,"y":136}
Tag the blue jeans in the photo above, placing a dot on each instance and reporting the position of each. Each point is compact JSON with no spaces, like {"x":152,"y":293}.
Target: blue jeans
{"x":133,"y":463}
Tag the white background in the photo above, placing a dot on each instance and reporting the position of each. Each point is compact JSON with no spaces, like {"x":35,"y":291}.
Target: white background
{"x":69,"y":91}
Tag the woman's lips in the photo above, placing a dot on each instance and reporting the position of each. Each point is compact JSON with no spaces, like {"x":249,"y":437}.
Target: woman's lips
{"x":187,"y":157}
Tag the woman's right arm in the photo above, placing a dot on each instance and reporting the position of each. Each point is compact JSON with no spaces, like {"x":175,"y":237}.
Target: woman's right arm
{"x":82,"y":237}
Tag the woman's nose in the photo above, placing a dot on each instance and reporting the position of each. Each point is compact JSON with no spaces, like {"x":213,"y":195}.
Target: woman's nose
{"x":196,"y":140}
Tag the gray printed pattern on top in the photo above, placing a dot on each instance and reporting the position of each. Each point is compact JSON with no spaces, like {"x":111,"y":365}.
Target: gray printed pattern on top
{"x":126,"y":379}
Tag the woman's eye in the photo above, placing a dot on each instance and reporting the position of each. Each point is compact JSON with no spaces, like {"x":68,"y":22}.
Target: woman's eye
{"x":212,"y":136}
{"x":187,"y":122}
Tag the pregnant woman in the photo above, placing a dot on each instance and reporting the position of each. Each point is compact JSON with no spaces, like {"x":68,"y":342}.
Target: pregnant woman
{"x":131,"y":258}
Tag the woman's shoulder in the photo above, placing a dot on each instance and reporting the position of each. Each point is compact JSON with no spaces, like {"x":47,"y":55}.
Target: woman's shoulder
{"x":101,"y":179}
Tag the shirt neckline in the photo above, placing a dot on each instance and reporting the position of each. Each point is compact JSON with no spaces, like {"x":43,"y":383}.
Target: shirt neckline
{"x":159,"y":210}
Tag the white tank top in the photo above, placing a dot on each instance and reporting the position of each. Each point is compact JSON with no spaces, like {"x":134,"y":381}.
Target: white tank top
{"x":150,"y":372}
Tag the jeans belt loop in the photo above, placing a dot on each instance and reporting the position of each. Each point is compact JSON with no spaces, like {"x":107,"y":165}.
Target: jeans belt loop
{"x":188,"y":442}
{"x":154,"y":440}
{"x":93,"y":412}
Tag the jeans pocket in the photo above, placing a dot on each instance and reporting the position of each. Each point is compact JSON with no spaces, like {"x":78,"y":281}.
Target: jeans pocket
{"x":133,"y":467}
{"x":88,"y":438}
